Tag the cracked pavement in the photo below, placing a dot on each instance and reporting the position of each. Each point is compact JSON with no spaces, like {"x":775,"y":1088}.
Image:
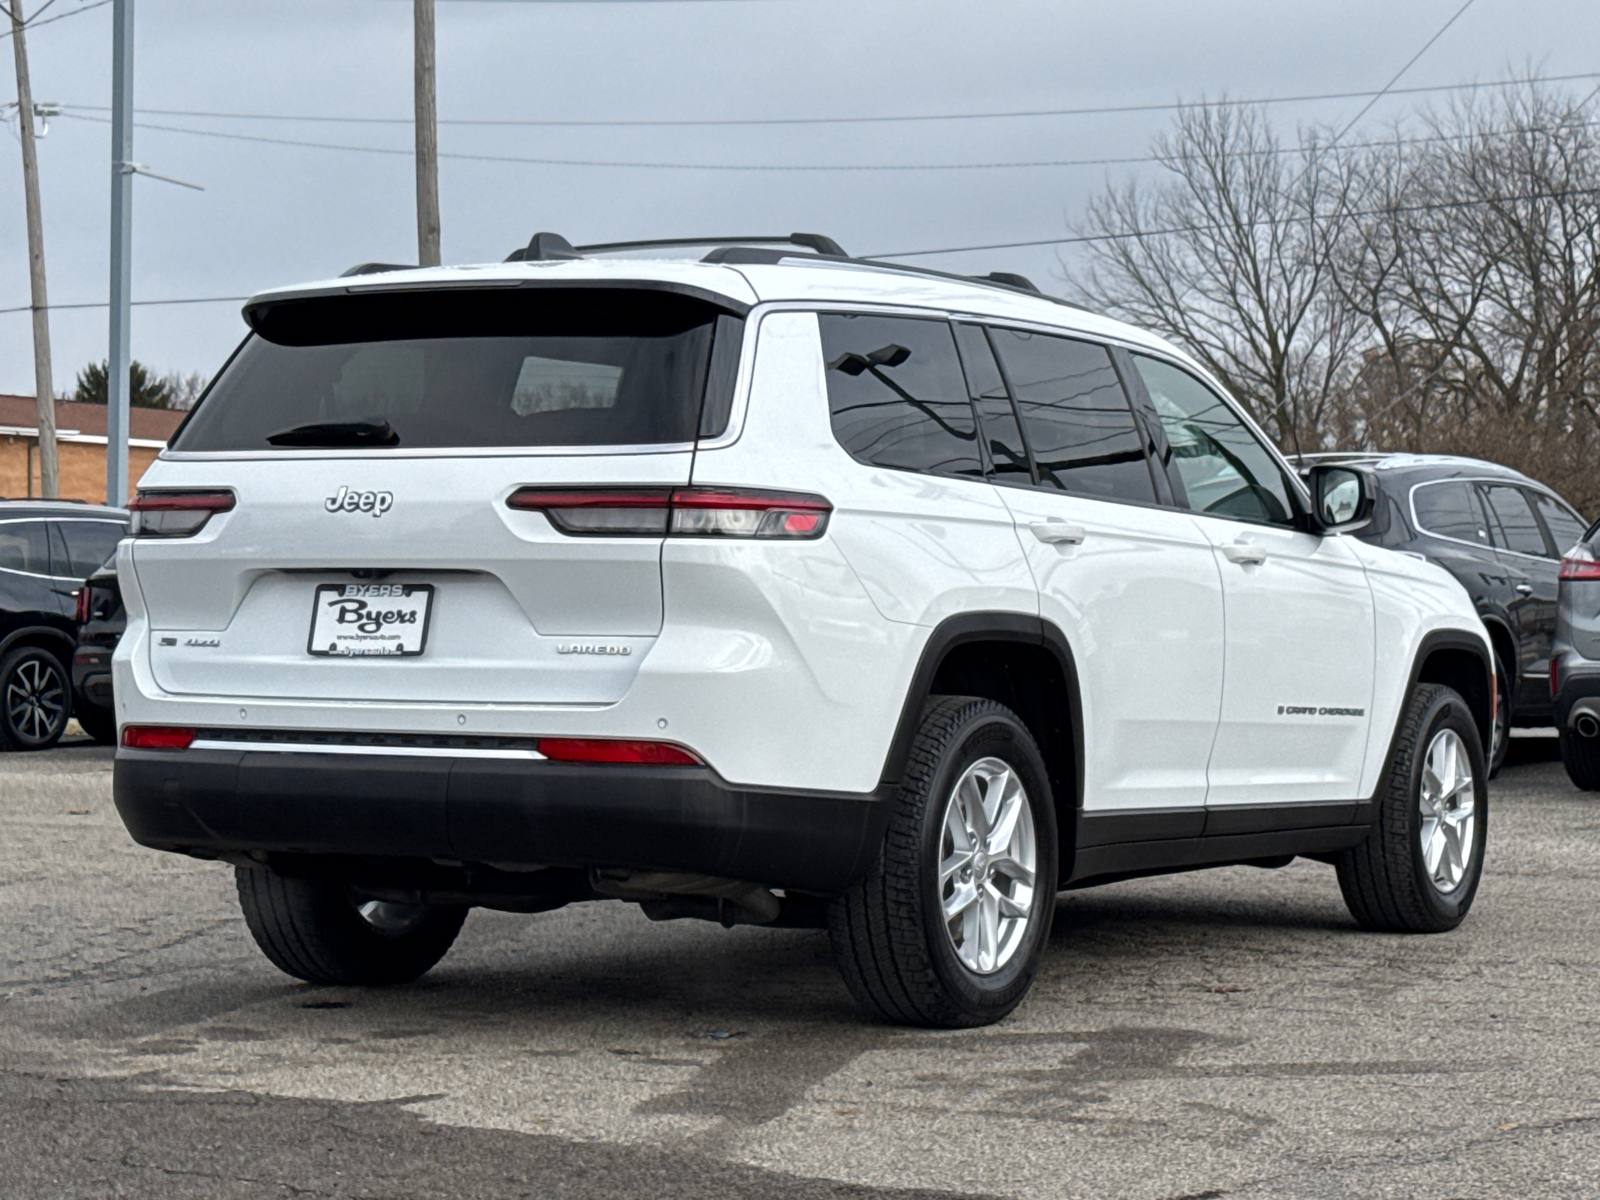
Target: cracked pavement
{"x":1217,"y":1034}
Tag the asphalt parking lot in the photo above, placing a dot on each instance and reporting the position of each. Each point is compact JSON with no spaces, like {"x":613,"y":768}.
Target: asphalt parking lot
{"x":1220,"y":1034}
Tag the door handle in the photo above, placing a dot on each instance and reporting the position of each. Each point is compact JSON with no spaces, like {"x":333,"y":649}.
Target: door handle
{"x":1524,"y":589}
{"x":1245,"y":554}
{"x":1059,"y":533}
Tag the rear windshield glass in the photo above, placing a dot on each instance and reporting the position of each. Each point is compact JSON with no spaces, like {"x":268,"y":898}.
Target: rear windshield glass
{"x":549,"y":367}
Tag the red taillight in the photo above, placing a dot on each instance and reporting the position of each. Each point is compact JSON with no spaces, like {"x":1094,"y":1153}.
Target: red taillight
{"x":1555,"y":677}
{"x":156,"y":737}
{"x":682,"y":512}
{"x":1580,"y":564}
{"x":176,"y":514}
{"x":607,"y":750}
{"x":81,"y":599}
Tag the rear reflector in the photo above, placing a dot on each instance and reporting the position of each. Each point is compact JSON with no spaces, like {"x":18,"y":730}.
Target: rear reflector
{"x":606,"y":750}
{"x":176,"y":514}
{"x":683,"y":512}
{"x":1580,"y":564}
{"x":156,"y":737}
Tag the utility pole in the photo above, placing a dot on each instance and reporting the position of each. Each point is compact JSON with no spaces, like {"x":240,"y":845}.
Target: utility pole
{"x":122,"y":170}
{"x":427,"y":130}
{"x":43,"y":386}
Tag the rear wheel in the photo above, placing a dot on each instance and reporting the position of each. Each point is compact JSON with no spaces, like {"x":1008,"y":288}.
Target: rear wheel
{"x":947,"y":927}
{"x":324,"y":931}
{"x":35,"y":700}
{"x":1581,"y":757}
{"x":99,"y":723}
{"x":1500,"y":735}
{"x":1418,"y":870}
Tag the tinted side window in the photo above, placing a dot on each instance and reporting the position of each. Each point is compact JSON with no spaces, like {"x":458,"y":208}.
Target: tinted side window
{"x":1516,"y":526}
{"x":726,"y":341}
{"x":1224,"y":469}
{"x":1008,"y":456}
{"x":1450,"y":510}
{"x":1076,"y":416}
{"x":89,"y":544}
{"x":25,"y":546}
{"x":897,"y":395}
{"x":1565,"y":526}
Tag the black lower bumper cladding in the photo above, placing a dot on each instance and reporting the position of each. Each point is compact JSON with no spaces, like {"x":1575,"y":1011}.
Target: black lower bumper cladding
{"x":214,"y":802}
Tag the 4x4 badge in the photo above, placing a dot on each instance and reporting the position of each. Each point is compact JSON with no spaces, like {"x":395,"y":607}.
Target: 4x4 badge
{"x":376,"y":503}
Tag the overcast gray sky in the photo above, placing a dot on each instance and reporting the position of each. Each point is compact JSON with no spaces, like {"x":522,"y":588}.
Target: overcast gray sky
{"x":274,"y":214}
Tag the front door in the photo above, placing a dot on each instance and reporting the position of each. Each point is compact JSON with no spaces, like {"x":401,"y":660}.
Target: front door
{"x":1298,"y":674}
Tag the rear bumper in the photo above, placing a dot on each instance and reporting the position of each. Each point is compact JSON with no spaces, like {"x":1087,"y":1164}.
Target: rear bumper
{"x":1579,"y":680}
{"x":91,"y":675}
{"x":502,"y":811}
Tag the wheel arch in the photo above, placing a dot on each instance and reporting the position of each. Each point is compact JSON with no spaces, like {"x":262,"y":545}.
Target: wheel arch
{"x":1504,"y":644}
{"x":1023,"y":662}
{"x":1461,"y":661}
{"x":46,"y":637}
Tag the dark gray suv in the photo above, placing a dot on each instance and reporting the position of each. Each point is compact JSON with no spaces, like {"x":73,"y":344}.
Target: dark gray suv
{"x":1503,"y":536}
{"x":1575,"y":662}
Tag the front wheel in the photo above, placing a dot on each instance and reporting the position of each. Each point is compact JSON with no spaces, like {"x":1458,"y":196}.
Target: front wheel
{"x":324,"y":931}
{"x":1500,"y":733}
{"x":1418,"y":870}
{"x":947,"y":927}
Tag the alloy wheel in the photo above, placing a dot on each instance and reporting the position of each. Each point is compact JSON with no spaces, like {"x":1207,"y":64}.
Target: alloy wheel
{"x":36,"y":699}
{"x":1447,"y":803}
{"x":987,"y":863}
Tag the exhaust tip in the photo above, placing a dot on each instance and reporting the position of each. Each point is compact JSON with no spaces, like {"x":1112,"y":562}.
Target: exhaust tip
{"x":1587,"y":726}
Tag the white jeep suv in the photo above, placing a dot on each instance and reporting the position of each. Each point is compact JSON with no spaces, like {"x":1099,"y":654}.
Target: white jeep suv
{"x":769,"y":586}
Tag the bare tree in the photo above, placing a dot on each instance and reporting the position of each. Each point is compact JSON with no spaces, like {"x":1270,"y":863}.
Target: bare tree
{"x":1229,"y":255}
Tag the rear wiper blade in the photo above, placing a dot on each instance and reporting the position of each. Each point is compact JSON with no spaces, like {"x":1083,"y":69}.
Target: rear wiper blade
{"x":338,"y":433}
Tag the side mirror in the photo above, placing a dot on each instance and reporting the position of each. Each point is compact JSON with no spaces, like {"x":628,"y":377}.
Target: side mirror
{"x":1342,"y":498}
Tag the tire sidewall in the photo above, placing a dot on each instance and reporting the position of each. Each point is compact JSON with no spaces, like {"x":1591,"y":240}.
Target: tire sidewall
{"x":997,"y":735}
{"x":1502,"y":683}
{"x":9,"y":665}
{"x":1448,"y":712}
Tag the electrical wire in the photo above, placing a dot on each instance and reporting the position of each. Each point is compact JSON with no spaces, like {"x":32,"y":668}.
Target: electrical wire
{"x":408,"y":151}
{"x":861,"y":120}
{"x":29,"y":24}
{"x":135,"y":303}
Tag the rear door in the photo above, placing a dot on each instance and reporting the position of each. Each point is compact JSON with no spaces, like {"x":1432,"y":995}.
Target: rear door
{"x":1533,"y":570}
{"x":1298,"y":679}
{"x":372,"y":444}
{"x":1131,"y":584}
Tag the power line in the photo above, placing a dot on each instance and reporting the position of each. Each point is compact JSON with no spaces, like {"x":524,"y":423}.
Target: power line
{"x":1410,"y":62}
{"x":679,"y":166}
{"x":28,"y":25}
{"x":136,"y":303}
{"x":860,"y":120}
{"x":1080,"y":239}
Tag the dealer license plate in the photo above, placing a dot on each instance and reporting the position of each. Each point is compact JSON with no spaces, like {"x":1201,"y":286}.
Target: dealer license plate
{"x":360,"y":620}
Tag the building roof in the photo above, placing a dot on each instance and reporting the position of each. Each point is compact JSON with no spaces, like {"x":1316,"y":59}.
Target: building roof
{"x":144,"y":424}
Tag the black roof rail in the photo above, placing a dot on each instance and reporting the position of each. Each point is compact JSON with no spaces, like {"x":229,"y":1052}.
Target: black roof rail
{"x":376,"y":269}
{"x":544,"y":247}
{"x":816,"y":242}
{"x":1009,"y":279}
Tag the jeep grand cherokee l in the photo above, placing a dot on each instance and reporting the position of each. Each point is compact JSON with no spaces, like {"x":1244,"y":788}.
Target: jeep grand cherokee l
{"x":773,"y":587}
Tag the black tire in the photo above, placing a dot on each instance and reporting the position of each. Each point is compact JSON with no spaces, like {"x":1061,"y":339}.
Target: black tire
{"x":1500,"y":741}
{"x":1581,"y":757}
{"x":1385,"y":880}
{"x":35,"y":699}
{"x":99,"y":723}
{"x":889,"y":937}
{"x":314,"y":930}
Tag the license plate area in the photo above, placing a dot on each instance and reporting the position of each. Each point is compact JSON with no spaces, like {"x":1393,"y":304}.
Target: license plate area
{"x":370,"y":620}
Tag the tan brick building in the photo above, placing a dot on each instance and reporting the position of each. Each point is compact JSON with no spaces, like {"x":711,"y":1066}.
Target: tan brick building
{"x":80,"y":447}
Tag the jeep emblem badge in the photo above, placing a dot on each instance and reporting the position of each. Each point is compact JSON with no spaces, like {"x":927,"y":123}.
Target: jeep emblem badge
{"x":376,"y":503}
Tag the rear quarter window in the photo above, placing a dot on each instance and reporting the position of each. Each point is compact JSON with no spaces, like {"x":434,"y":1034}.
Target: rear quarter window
{"x":447,"y":369}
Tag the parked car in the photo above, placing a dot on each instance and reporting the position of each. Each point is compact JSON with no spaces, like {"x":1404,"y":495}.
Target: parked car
{"x":47,"y":548}
{"x":100,"y":620}
{"x":775,"y":587}
{"x":1575,"y":661}
{"x":1502,"y":535}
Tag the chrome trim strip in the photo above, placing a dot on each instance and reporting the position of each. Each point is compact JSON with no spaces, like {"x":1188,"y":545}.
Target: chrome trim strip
{"x":379,"y":751}
{"x":1411,"y":500}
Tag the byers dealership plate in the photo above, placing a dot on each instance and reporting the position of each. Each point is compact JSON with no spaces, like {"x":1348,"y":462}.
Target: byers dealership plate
{"x":370,"y":619}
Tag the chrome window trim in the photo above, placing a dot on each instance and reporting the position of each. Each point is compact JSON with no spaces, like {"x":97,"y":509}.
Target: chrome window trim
{"x":400,"y":452}
{"x":1411,"y":501}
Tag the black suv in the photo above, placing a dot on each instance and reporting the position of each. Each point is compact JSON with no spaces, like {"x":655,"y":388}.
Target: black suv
{"x":47,"y":549}
{"x":1502,"y":535}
